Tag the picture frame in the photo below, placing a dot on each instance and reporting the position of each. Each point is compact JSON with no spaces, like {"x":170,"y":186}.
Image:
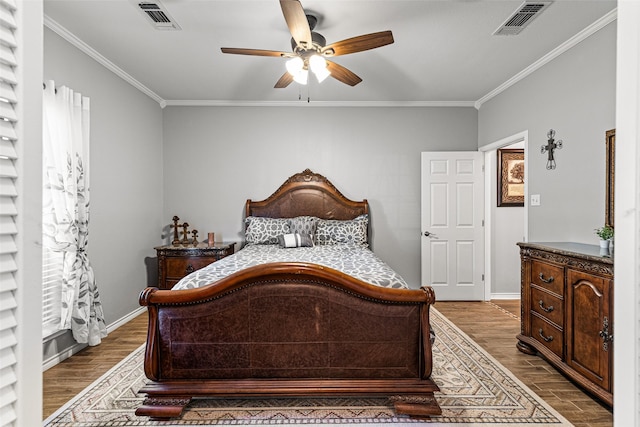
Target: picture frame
{"x":610,"y":144}
{"x":510,"y":177}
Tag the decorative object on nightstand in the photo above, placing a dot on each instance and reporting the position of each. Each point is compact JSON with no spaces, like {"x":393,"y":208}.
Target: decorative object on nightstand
{"x":176,"y":261}
{"x":175,"y":226}
{"x":185,"y":233}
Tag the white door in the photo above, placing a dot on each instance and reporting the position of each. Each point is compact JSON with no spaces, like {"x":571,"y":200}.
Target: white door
{"x":452,"y":224}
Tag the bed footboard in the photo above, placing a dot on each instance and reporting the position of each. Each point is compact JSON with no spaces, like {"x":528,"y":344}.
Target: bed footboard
{"x":289,"y":330}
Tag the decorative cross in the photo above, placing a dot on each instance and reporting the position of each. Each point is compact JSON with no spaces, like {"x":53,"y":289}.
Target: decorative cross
{"x":194,"y":233}
{"x":185,"y":233}
{"x":550,"y":148}
{"x":175,"y":226}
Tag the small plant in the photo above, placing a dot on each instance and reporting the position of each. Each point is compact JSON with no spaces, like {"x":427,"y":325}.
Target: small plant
{"x":605,"y":233}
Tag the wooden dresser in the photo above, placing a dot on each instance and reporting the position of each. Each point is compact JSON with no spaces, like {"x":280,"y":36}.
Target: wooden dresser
{"x":176,"y":261}
{"x":567,"y":311}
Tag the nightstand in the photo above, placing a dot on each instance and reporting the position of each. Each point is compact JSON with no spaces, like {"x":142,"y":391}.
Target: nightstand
{"x":176,"y":261}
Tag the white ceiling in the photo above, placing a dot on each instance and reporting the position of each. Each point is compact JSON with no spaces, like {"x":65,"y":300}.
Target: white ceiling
{"x":444,"y":51}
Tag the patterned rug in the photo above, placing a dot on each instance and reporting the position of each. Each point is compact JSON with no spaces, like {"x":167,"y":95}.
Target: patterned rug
{"x":475,"y":391}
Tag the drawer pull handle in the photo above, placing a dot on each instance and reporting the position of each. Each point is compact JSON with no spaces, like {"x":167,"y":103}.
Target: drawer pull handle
{"x":546,"y":339}
{"x":545,"y":309}
{"x":190,"y":269}
{"x":549,"y":280}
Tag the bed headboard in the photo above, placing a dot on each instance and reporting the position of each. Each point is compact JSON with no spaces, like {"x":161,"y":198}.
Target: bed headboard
{"x":307,"y":193}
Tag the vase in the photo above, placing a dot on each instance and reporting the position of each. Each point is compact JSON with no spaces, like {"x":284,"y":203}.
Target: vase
{"x":604,"y":244}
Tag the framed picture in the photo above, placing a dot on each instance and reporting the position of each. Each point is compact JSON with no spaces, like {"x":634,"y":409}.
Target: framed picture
{"x":611,"y":176}
{"x":511,"y":177}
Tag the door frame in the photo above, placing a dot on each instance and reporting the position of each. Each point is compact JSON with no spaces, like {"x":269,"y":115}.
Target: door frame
{"x":490,"y":182}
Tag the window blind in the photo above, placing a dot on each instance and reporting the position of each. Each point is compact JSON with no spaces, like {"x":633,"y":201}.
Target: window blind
{"x":8,"y":213}
{"x":51,"y":290}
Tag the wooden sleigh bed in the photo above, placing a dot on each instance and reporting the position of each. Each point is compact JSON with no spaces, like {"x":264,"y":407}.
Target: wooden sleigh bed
{"x":290,"y":329}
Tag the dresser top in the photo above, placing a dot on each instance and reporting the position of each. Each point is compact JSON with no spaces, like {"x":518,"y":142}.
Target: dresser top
{"x":581,"y":250}
{"x":200,"y":246}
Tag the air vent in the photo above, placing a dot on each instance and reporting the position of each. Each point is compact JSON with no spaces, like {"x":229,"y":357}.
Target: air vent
{"x":522,"y":17}
{"x":158,"y":16}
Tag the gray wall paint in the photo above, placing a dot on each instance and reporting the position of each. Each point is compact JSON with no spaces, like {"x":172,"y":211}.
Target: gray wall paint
{"x":575,"y":95}
{"x":126,"y":174}
{"x":217,"y":157}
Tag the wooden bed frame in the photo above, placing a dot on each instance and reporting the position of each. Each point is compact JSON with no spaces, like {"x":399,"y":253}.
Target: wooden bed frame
{"x":290,"y":329}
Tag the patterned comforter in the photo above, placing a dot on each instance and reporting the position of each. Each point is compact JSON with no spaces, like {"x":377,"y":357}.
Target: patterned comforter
{"x":357,"y":261}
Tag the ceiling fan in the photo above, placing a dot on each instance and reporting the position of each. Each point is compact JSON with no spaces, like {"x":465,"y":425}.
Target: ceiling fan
{"x":310,"y":51}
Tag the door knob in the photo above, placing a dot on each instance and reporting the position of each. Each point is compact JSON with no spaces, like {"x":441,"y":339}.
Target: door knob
{"x":428,"y":234}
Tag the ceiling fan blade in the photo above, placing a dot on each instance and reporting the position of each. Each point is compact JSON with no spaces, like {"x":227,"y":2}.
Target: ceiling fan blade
{"x":342,"y":74}
{"x":358,"y":44}
{"x":284,"y":81}
{"x":254,"y":52}
{"x":297,"y":22}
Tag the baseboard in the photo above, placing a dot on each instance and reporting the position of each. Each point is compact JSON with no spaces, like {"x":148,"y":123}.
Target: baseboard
{"x":68,"y":352}
{"x":505,"y":296}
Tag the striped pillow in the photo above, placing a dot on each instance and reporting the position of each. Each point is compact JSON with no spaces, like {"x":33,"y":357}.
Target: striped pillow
{"x":295,"y":240}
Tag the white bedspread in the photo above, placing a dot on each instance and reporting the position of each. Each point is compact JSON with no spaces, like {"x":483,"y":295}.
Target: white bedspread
{"x":357,"y":261}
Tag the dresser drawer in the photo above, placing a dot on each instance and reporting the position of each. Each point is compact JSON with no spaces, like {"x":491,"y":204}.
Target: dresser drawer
{"x":548,"y":276}
{"x":547,"y":334}
{"x":180,"y":267}
{"x":548,"y":306}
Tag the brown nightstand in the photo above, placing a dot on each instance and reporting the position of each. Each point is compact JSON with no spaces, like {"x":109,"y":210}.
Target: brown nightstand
{"x":176,"y":261}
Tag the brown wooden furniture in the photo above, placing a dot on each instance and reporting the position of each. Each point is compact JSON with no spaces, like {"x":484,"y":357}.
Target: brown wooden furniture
{"x":567,"y":311}
{"x":290,"y":329}
{"x":176,"y":261}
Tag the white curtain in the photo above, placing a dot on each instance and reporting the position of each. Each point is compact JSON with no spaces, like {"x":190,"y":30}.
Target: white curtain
{"x":66,"y":209}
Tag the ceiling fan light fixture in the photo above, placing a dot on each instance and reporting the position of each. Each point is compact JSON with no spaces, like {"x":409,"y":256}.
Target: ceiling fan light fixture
{"x":319,"y":67}
{"x":317,"y":63}
{"x":322,"y":74}
{"x":301,"y":77}
{"x":295,"y":65}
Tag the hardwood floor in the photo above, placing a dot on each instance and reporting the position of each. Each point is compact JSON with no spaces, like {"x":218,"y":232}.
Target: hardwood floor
{"x":493,"y":325}
{"x":68,"y":378}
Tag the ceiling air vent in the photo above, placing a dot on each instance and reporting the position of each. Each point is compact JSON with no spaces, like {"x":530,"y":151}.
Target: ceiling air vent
{"x":158,"y":15}
{"x":526,"y":13}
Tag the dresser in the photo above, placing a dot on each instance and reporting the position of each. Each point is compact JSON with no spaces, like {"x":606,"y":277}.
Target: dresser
{"x":176,"y":261}
{"x":567,"y":311}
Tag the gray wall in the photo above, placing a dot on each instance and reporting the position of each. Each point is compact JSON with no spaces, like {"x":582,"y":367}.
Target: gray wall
{"x":126,"y":175}
{"x":575,"y":95}
{"x":217,"y":157}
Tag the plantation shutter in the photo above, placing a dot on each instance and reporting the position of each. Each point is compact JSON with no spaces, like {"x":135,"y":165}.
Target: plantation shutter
{"x":8,"y":213}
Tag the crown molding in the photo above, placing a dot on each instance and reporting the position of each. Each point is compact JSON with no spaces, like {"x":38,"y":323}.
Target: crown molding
{"x":91,"y":52}
{"x":305,"y":104}
{"x":573,"y":41}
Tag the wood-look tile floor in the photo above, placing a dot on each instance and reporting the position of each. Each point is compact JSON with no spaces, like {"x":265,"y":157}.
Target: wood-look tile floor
{"x":493,"y":325}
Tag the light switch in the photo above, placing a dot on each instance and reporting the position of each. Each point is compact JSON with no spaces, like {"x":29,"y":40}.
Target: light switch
{"x":535,"y":200}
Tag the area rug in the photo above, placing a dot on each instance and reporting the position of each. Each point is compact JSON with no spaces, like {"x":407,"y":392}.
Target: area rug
{"x":476,"y":390}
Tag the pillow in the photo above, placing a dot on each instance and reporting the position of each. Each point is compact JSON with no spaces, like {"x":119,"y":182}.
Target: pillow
{"x":295,"y":240}
{"x":265,"y":231}
{"x":336,"y":232}
{"x":303,"y":224}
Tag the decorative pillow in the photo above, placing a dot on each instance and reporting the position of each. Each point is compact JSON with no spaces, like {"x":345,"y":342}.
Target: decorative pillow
{"x":303,"y":224}
{"x":295,"y":240}
{"x":336,"y":232}
{"x":265,"y":231}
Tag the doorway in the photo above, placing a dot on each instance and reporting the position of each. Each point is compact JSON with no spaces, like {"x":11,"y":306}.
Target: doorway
{"x":504,"y":226}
